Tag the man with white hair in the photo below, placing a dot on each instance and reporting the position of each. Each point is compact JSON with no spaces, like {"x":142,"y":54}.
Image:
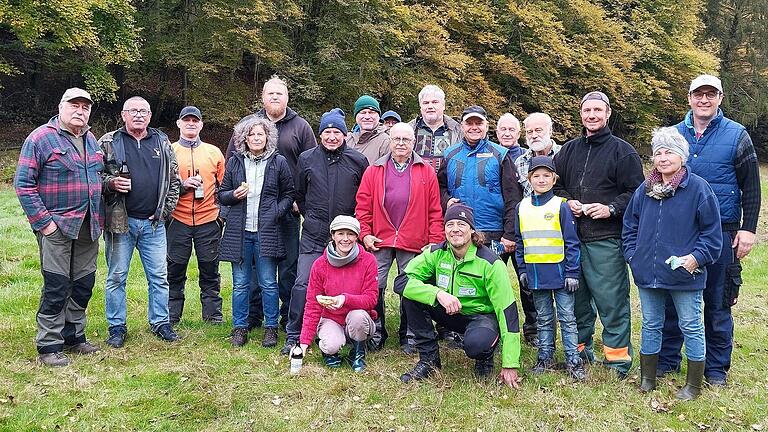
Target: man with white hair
{"x":435,"y":131}
{"x":59,"y":188}
{"x":508,"y":134}
{"x":722,"y":153}
{"x":538,"y":137}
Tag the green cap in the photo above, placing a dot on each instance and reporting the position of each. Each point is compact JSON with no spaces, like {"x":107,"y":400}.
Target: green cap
{"x":366,"y":101}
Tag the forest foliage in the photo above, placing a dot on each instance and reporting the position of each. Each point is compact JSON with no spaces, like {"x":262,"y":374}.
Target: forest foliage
{"x":519,"y":56}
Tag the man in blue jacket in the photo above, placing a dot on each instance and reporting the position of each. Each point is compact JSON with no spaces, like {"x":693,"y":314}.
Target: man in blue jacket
{"x":721,"y":152}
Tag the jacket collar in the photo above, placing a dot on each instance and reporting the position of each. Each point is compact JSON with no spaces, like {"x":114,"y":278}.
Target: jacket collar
{"x":601,"y":137}
{"x":712,"y":123}
{"x":539,"y":200}
{"x":289,"y":114}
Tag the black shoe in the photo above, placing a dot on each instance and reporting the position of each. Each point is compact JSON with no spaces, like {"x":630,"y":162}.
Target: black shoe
{"x":239,"y":336}
{"x":531,"y":339}
{"x":543,"y":365}
{"x":407,"y":346}
{"x":287,"y":347}
{"x":332,"y":360}
{"x":576,"y":371}
{"x":270,"y":337}
{"x":117,"y":335}
{"x":212,"y":321}
{"x":484,"y":367}
{"x":166,"y":333}
{"x":648,"y":372}
{"x":423,"y":370}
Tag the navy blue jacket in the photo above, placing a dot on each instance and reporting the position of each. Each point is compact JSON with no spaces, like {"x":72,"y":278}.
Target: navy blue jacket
{"x":550,"y":276}
{"x":686,"y":223}
{"x":275,"y":202}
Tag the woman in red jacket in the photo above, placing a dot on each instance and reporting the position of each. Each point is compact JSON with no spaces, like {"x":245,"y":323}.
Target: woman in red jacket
{"x":341,"y":296}
{"x":398,"y":205}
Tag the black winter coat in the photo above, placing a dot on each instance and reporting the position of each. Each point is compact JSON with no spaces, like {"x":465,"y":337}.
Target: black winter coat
{"x":601,"y":168}
{"x":277,"y":195}
{"x":326,"y":186}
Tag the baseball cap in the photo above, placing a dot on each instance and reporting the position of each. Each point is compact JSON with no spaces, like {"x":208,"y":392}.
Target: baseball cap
{"x":541,"y":162}
{"x":75,"y":93}
{"x":474,"y":111}
{"x":706,"y":80}
{"x":191,"y":111}
{"x":345,"y":222}
{"x":596,"y":95}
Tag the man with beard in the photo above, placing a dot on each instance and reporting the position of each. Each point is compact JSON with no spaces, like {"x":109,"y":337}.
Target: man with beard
{"x":59,"y":188}
{"x":435,"y":131}
{"x":598,"y":173}
{"x":372,"y":139}
{"x":294,"y":137}
{"x":538,"y":137}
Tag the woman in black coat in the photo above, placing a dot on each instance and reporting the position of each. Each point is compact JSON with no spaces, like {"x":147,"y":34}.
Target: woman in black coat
{"x":258,"y":188}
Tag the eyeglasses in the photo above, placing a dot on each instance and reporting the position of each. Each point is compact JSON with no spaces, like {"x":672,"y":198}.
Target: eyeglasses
{"x":138,"y":112}
{"x":401,"y":140}
{"x":700,"y":95}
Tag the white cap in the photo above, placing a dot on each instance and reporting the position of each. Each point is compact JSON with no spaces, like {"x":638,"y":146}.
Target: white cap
{"x":706,"y":80}
{"x":345,"y":222}
{"x":75,"y":93}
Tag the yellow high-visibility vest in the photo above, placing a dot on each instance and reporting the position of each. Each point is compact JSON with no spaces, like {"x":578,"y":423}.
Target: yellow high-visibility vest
{"x":541,"y":231}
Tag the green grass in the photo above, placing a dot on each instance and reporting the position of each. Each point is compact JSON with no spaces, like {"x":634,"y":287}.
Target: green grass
{"x":201,"y":383}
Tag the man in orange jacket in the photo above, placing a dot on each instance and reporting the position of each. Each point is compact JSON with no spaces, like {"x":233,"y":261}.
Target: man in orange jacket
{"x":195,"y":219}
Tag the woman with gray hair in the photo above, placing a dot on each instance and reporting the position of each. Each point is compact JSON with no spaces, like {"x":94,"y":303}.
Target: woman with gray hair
{"x":258,"y":188}
{"x":671,"y":232}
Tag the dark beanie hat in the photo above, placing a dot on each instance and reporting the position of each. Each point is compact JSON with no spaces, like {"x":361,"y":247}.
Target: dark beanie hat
{"x":333,"y":119}
{"x":366,"y":101}
{"x":461,"y":212}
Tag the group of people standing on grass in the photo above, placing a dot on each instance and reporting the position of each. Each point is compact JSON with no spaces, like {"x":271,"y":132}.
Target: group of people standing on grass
{"x":437,"y":196}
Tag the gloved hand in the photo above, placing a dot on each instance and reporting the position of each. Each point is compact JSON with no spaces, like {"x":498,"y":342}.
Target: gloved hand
{"x":571,"y":285}
{"x":524,"y":281}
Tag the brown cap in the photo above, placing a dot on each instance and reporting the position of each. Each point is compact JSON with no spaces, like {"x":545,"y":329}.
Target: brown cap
{"x":76,"y":93}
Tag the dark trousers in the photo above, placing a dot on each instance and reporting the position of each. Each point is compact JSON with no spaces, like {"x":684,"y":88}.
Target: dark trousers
{"x":723,"y":282}
{"x":299,"y":295}
{"x":69,"y":272}
{"x":180,"y":238}
{"x":286,"y":274}
{"x":481,"y":331}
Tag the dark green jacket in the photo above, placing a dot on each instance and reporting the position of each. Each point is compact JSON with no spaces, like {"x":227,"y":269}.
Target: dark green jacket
{"x":481,"y":283}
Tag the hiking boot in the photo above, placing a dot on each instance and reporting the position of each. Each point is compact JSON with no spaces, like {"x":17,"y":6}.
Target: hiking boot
{"x":287,"y":347}
{"x":82,"y":348}
{"x":576,"y":371}
{"x":332,"y":360}
{"x":357,"y":356}
{"x":531,"y":338}
{"x":54,"y":359}
{"x":648,"y":369}
{"x":425,"y":368}
{"x":239,"y":336}
{"x":117,"y":335}
{"x":693,"y":379}
{"x":270,"y":337}
{"x":484,"y":367}
{"x":407,"y":346}
{"x":166,"y":333}
{"x":543,"y":365}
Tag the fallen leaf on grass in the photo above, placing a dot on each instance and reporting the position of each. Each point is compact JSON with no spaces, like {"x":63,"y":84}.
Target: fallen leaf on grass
{"x":658,"y":406}
{"x":757,"y":427}
{"x":276,"y":401}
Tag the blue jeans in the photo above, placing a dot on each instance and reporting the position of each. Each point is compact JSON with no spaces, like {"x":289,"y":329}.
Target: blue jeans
{"x":151,"y":243}
{"x":545,"y":301}
{"x":689,"y":318}
{"x":266,"y":269}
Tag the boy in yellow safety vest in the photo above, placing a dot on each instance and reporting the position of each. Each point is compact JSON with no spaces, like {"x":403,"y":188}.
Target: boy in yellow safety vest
{"x":548,"y":264}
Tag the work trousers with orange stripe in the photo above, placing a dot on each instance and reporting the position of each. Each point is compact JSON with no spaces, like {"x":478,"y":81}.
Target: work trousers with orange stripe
{"x":604,"y":291}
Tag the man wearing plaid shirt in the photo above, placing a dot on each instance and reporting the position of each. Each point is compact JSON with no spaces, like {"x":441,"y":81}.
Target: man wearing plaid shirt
{"x":538,"y":136}
{"x":58,"y":182}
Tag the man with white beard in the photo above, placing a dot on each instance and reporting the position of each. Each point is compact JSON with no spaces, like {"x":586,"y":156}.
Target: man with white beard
{"x":538,"y":136}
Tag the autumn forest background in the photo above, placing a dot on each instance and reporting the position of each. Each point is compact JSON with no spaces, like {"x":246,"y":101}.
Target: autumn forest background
{"x":507,"y":55}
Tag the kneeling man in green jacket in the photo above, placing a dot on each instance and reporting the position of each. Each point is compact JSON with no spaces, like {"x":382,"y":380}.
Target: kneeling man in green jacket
{"x":465,"y":287}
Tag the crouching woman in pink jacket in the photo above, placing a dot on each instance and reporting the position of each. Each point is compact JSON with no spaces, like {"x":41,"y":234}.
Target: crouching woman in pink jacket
{"x":341,"y":297}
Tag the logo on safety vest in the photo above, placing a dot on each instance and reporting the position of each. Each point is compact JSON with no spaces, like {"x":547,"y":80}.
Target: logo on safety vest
{"x":549,"y":216}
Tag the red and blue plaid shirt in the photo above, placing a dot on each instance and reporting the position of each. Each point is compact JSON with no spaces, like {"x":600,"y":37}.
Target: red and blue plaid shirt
{"x":55,"y":183}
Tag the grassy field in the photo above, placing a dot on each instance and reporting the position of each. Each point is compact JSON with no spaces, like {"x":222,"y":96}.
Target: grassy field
{"x":201,"y":383}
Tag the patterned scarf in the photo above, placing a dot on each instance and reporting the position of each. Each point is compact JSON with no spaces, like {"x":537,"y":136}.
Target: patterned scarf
{"x":260,"y":157}
{"x":655,"y":187}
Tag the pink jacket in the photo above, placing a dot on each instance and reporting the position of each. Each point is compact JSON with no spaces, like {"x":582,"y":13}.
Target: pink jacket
{"x":358,"y":282}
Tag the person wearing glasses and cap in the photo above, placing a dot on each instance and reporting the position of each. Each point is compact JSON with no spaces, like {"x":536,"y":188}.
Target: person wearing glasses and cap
{"x":722,"y":153}
{"x":58,"y":185}
{"x":140,"y":188}
{"x":389,"y":119}
{"x":597,"y":175}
